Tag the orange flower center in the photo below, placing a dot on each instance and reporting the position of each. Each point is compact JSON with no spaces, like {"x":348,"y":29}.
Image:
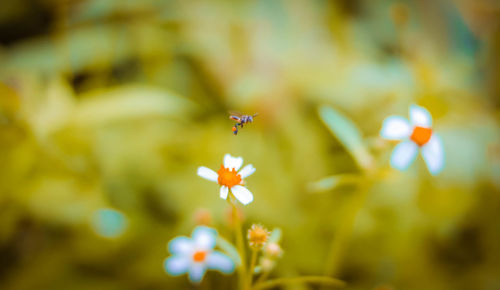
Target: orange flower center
{"x":421,"y":135}
{"x":199,"y":256}
{"x":228,"y":177}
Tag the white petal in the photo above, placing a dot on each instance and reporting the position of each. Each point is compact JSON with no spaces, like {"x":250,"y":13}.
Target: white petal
{"x":232,"y":162}
{"x":204,"y":237}
{"x":180,"y":245}
{"x":404,"y":154}
{"x":207,"y":173}
{"x":176,"y":265}
{"x":242,"y":194}
{"x":196,"y":272}
{"x":219,"y":261}
{"x":419,"y":116}
{"x":395,"y":128}
{"x":433,"y":154}
{"x":224,"y":190}
{"x":247,"y":171}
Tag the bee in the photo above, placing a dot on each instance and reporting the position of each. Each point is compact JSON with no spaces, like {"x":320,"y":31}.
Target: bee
{"x":241,"y":120}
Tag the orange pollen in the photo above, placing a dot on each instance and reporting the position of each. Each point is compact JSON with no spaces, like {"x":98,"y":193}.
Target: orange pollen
{"x":199,"y":256}
{"x":421,"y":135}
{"x":228,"y":177}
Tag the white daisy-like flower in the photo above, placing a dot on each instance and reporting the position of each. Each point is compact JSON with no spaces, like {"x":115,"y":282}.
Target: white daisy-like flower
{"x":196,"y":255}
{"x":229,"y":178}
{"x":415,"y":134}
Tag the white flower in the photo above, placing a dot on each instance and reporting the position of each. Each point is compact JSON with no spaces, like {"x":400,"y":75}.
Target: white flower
{"x":415,"y":134}
{"x":195,"y":255}
{"x":229,"y":179}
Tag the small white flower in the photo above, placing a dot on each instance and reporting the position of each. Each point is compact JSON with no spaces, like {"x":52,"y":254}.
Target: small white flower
{"x":415,"y":134}
{"x":196,"y":255}
{"x":229,"y":178}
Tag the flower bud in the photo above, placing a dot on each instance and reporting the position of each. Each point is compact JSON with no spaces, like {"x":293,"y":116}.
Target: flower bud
{"x":257,"y":236}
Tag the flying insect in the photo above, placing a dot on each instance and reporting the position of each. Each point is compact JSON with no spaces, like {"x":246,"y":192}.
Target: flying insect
{"x":241,"y":120}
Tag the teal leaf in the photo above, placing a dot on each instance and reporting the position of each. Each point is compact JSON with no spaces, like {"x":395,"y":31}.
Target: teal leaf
{"x":334,"y":181}
{"x":348,"y":134}
{"x":229,"y":249}
{"x":275,"y":236}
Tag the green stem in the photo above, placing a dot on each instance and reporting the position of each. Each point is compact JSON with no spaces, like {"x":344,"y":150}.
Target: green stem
{"x":262,"y":277}
{"x":251,"y":270}
{"x":305,"y":279}
{"x":343,"y":234}
{"x":239,"y":243}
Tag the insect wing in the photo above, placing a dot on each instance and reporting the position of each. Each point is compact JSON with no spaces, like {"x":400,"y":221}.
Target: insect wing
{"x":236,"y":114}
{"x":235,"y":118}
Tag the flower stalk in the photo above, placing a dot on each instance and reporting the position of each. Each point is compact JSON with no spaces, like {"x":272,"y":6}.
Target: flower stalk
{"x":344,"y":232}
{"x":239,"y":242}
{"x":300,"y":280}
{"x":251,"y":270}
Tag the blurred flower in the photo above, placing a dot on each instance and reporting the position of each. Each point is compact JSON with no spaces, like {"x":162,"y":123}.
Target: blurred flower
{"x":415,"y":134}
{"x":109,"y":223}
{"x":273,"y":250}
{"x":195,"y":255}
{"x":257,"y":236}
{"x":229,"y":179}
{"x":203,"y":216}
{"x":267,"y":264}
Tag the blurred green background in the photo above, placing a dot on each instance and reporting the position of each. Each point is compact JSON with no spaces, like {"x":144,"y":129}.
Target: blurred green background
{"x":115,"y":103}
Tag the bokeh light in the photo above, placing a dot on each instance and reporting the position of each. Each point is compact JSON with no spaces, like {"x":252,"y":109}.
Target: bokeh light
{"x":109,"y":223}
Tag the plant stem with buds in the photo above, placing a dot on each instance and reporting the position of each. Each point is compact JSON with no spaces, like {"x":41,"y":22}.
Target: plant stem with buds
{"x":251,"y":270}
{"x":305,"y":279}
{"x":263,"y":277}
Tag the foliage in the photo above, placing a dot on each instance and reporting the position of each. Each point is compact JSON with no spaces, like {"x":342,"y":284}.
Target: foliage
{"x":115,"y":104}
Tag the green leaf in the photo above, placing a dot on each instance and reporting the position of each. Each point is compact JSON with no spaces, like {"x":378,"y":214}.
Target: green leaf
{"x":348,"y":134}
{"x":334,"y":181}
{"x":229,"y":249}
